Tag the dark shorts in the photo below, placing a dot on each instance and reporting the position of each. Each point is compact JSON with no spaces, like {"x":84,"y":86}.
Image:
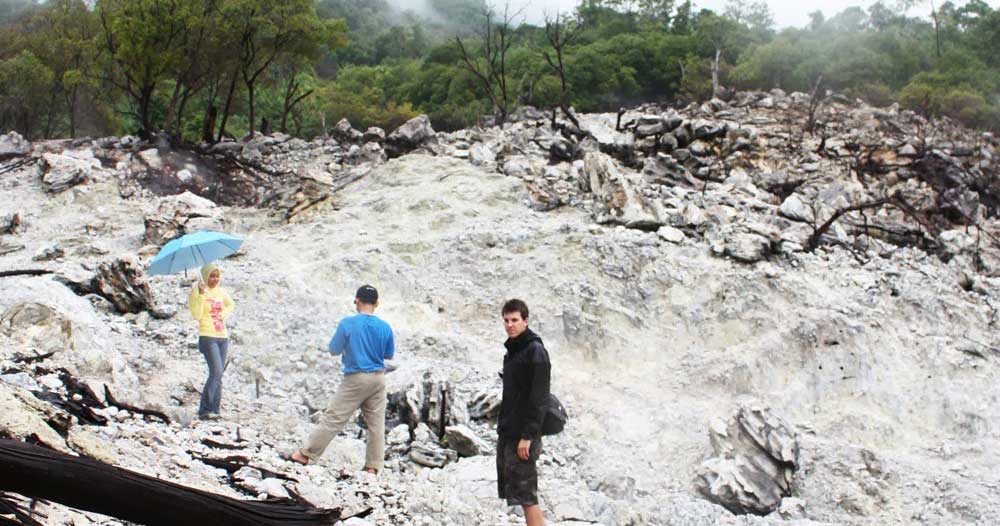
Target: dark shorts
{"x":517,"y":480}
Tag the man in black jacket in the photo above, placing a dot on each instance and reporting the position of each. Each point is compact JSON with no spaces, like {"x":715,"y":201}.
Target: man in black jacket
{"x":526,"y":376}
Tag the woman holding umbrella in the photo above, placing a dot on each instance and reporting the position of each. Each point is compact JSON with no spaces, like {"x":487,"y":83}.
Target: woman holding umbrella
{"x":210,"y":305}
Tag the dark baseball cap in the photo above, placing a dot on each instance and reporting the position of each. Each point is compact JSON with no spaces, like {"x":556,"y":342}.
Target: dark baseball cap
{"x":367,"y":294}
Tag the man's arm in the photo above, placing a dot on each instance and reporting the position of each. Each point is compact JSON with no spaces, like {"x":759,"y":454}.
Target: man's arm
{"x":339,"y":340}
{"x":390,"y":347}
{"x":541,"y":372}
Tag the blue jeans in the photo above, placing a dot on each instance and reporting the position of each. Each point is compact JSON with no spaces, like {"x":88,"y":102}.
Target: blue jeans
{"x":214,"y":350}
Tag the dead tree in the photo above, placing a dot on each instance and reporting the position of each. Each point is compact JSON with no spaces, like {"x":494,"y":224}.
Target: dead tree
{"x":489,"y":65}
{"x":560,"y":33}
{"x":896,"y":200}
{"x":814,"y":102}
{"x":818,"y":232}
{"x":90,"y":485}
{"x":133,"y":409}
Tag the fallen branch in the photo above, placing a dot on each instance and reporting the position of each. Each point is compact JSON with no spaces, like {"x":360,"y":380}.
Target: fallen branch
{"x":133,"y":409}
{"x":26,"y":272}
{"x":17,"y":164}
{"x":90,"y":485}
{"x":21,"y":358}
{"x":219,"y":445}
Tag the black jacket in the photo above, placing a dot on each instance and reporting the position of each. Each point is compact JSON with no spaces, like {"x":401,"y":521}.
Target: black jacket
{"x":526,"y":376}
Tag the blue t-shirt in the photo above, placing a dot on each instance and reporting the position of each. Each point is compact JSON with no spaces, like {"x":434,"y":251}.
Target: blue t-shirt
{"x":365,"y":341}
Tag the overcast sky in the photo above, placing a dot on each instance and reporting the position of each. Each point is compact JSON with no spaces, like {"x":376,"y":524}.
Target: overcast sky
{"x":786,"y":12}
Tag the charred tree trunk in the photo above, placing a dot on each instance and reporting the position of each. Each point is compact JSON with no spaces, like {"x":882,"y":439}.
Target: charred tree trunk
{"x":227,"y":107}
{"x":175,"y":99}
{"x":715,"y":72}
{"x":208,"y":127}
{"x":94,"y":486}
{"x":814,"y":102}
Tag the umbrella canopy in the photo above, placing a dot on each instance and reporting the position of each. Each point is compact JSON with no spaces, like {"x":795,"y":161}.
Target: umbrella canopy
{"x":193,"y":250}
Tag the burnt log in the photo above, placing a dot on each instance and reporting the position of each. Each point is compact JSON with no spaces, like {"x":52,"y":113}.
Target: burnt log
{"x":94,"y":486}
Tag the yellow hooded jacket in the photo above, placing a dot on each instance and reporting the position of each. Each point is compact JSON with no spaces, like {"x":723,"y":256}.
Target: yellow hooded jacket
{"x":211,"y":308}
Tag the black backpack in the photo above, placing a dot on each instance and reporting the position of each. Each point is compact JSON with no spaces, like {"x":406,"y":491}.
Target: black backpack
{"x":555,"y":417}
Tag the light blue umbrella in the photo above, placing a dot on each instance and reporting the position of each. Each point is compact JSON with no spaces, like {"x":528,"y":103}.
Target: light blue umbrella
{"x":193,"y":250}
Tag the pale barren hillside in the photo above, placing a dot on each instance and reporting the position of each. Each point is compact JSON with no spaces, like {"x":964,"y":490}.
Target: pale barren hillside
{"x":677,"y":269}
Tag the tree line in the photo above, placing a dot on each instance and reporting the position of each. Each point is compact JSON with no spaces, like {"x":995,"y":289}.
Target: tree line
{"x":208,"y":69}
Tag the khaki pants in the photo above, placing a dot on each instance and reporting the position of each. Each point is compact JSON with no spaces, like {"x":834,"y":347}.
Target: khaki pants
{"x":358,"y":390}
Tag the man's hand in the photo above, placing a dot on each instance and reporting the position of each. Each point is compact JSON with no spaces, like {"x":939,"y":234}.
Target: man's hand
{"x":524,"y":449}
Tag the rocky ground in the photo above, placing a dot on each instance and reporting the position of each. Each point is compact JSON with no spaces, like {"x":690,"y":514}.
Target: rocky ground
{"x":719,"y":351}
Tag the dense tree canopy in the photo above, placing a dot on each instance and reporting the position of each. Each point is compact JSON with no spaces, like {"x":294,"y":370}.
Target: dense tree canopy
{"x":205,"y":69}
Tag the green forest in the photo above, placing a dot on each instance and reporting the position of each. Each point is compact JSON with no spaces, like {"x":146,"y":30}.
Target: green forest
{"x":208,"y":69}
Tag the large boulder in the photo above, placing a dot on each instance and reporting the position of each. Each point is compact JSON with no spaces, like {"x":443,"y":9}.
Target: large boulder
{"x":754,"y":462}
{"x":13,"y":145}
{"x":370,"y":152}
{"x":650,"y":125}
{"x":179,"y":214}
{"x":486,"y":404}
{"x":616,"y":194}
{"x":60,"y":172}
{"x":410,"y":136}
{"x":662,"y":169}
{"x":374,"y":134}
{"x":796,"y":209}
{"x":431,"y":455}
{"x":464,"y":441}
{"x":122,"y":282}
{"x":747,"y":247}
{"x":345,"y":133}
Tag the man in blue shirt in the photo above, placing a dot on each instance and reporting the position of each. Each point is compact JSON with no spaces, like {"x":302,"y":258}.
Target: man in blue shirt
{"x":364,"y":341}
